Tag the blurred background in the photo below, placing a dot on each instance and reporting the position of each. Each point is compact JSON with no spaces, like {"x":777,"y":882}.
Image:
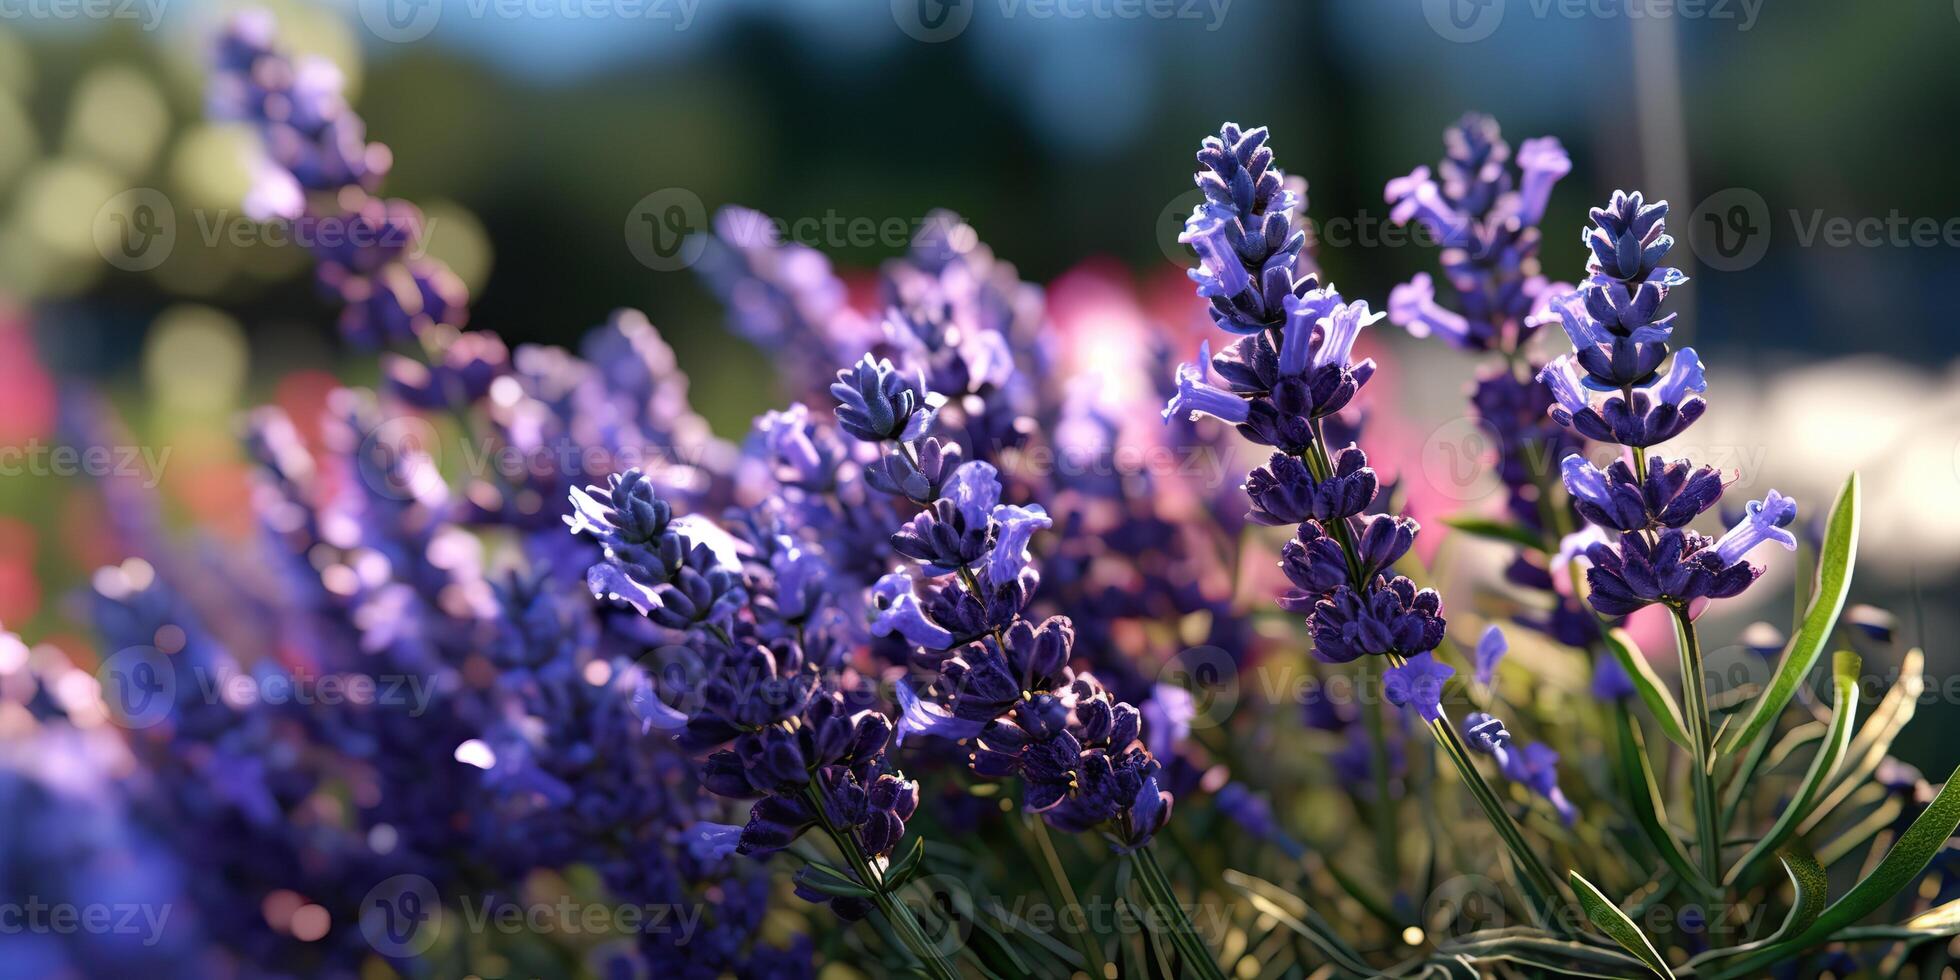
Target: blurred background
{"x":562,"y":147}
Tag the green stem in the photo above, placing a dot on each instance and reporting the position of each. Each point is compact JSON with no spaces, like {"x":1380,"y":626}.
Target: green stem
{"x":1060,"y":889}
{"x":1197,"y":957}
{"x":1535,"y":878}
{"x":896,"y":912}
{"x":1694,"y":694}
{"x":1387,"y":847}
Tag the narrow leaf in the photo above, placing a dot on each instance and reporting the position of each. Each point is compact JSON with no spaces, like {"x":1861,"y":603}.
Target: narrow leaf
{"x":1648,"y":685}
{"x":1490,"y":530}
{"x":1811,"y":885}
{"x":1613,"y":922}
{"x":1295,"y":914}
{"x":1875,"y":737}
{"x":831,"y":881}
{"x":1894,"y":874}
{"x":901,"y":870}
{"x":1649,"y":810}
{"x":1823,"y":765}
{"x":1834,"y":569}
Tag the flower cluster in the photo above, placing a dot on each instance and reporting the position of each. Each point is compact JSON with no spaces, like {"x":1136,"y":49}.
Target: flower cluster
{"x":1002,"y":682}
{"x":317,"y":169}
{"x":1620,"y":341}
{"x":1486,"y":221}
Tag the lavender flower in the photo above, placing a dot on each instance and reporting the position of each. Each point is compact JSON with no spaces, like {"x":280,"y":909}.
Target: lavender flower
{"x":1243,"y":232}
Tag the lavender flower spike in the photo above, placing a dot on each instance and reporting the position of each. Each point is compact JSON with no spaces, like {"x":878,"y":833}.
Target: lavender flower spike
{"x":1763,"y":521}
{"x":1196,"y":395}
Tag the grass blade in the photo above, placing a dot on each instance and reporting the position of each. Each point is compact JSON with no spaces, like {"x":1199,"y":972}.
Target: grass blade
{"x":1894,"y":873}
{"x":1648,"y":685}
{"x":1874,"y":739}
{"x":1823,"y":765}
{"x":1807,"y":878}
{"x":1613,"y":922}
{"x":1834,"y":567}
{"x":1648,"y":809}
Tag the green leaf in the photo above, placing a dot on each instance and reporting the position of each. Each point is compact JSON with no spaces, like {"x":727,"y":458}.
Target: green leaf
{"x":1823,"y":765}
{"x":1874,"y":738}
{"x":1490,"y":530}
{"x":831,"y":881}
{"x":1536,"y":948}
{"x":1648,"y":809}
{"x":900,"y":871}
{"x":1648,"y":685}
{"x":1895,"y":872}
{"x":1613,"y":922}
{"x":1834,"y":569}
{"x":1294,"y":913}
{"x":1807,"y":878}
{"x":1934,"y":923}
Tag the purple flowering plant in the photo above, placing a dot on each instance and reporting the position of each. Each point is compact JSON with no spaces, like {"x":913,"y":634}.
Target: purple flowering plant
{"x":844,"y":691}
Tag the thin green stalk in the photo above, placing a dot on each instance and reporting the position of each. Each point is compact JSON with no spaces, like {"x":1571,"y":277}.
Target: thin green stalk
{"x":896,"y":912}
{"x":1694,"y":694}
{"x":1536,"y":879}
{"x":1060,"y":889}
{"x":1198,"y":960}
